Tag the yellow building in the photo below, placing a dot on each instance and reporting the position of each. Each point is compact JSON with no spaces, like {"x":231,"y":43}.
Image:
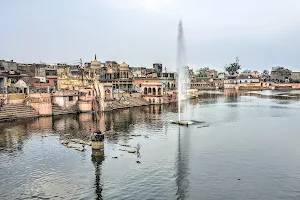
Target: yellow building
{"x":119,"y":75}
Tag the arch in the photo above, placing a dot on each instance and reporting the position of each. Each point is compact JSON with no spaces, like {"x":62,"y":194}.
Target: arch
{"x":145,"y":90}
{"x":107,"y":91}
{"x":159,"y":91}
{"x":154,"y":91}
{"x":153,"y":100}
{"x":149,"y":90}
{"x":168,"y":84}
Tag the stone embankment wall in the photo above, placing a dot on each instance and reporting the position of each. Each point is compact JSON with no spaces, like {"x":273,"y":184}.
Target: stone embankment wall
{"x":15,"y":98}
{"x":40,"y":102}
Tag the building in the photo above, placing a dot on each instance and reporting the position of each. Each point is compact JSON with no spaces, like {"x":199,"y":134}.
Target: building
{"x":206,"y":83}
{"x":153,"y":92}
{"x":221,"y":75}
{"x":8,"y":65}
{"x":157,"y":67}
{"x":138,"y":72}
{"x":47,"y":75}
{"x":247,"y":79}
{"x":119,"y":75}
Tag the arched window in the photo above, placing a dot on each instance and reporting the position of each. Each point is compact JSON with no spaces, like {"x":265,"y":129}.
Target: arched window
{"x":145,"y":90}
{"x":107,"y":93}
{"x":154,"y":91}
{"x":159,"y":91}
{"x":149,"y":90}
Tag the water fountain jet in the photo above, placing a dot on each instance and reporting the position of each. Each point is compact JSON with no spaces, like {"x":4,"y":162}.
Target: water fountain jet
{"x":182,"y":74}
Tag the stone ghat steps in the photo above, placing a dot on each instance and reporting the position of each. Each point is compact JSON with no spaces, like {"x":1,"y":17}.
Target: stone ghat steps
{"x":57,"y":110}
{"x":133,"y":102}
{"x":137,"y":102}
{"x":118,"y":105}
{"x":11,"y":112}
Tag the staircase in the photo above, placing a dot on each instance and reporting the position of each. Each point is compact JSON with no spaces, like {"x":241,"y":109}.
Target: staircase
{"x":133,"y":102}
{"x":17,"y":111}
{"x":137,"y":101}
{"x":57,"y":110}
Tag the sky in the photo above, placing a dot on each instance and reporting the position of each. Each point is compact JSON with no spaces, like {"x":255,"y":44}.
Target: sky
{"x":262,"y":33}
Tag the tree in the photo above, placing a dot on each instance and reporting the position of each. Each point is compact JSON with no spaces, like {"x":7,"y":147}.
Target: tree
{"x":202,"y":72}
{"x":282,"y":71}
{"x":280,"y":74}
{"x":233,"y":68}
{"x":247,"y":71}
{"x":265,"y":73}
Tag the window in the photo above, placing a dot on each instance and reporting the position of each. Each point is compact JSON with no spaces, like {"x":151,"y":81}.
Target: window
{"x":47,"y":81}
{"x":70,"y":98}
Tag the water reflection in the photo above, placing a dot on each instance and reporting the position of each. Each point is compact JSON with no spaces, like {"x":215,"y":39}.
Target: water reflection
{"x":182,"y":168}
{"x":12,"y":137}
{"x":97,"y":159}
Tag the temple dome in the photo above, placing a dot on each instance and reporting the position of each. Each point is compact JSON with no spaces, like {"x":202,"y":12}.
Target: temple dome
{"x":95,"y":63}
{"x":124,"y":65}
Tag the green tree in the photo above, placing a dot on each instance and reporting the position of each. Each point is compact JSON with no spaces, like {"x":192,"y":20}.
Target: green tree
{"x":265,"y":73}
{"x":202,"y":72}
{"x":247,"y":71}
{"x":233,"y":68}
{"x":282,"y":71}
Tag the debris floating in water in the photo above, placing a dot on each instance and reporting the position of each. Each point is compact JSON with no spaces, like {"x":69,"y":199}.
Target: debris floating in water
{"x":125,"y":145}
{"x":122,"y":149}
{"x":135,"y":135}
{"x":183,"y":123}
{"x":131,"y":151}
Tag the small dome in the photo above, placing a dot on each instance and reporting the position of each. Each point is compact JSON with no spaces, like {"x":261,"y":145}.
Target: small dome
{"x":124,"y":65}
{"x":95,"y":63}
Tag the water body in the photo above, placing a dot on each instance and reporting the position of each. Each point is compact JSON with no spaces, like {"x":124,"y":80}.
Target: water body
{"x":238,"y":147}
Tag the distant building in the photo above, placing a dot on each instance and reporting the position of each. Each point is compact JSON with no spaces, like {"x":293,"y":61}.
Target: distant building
{"x":8,"y":65}
{"x":247,"y":79}
{"x":138,"y":72}
{"x":212,"y":74}
{"x":221,"y":75}
{"x":157,"y":67}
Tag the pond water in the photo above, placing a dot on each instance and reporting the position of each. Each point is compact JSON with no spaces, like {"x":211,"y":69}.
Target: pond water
{"x":237,"y":147}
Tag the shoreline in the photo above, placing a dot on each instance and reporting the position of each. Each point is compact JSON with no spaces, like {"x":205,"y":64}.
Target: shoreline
{"x":35,"y":115}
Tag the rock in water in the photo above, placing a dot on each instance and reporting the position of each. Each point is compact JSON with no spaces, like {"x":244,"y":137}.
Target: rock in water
{"x":80,"y":149}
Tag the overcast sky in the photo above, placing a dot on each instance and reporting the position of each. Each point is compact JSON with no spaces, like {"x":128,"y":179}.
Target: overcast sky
{"x":263,"y":33}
